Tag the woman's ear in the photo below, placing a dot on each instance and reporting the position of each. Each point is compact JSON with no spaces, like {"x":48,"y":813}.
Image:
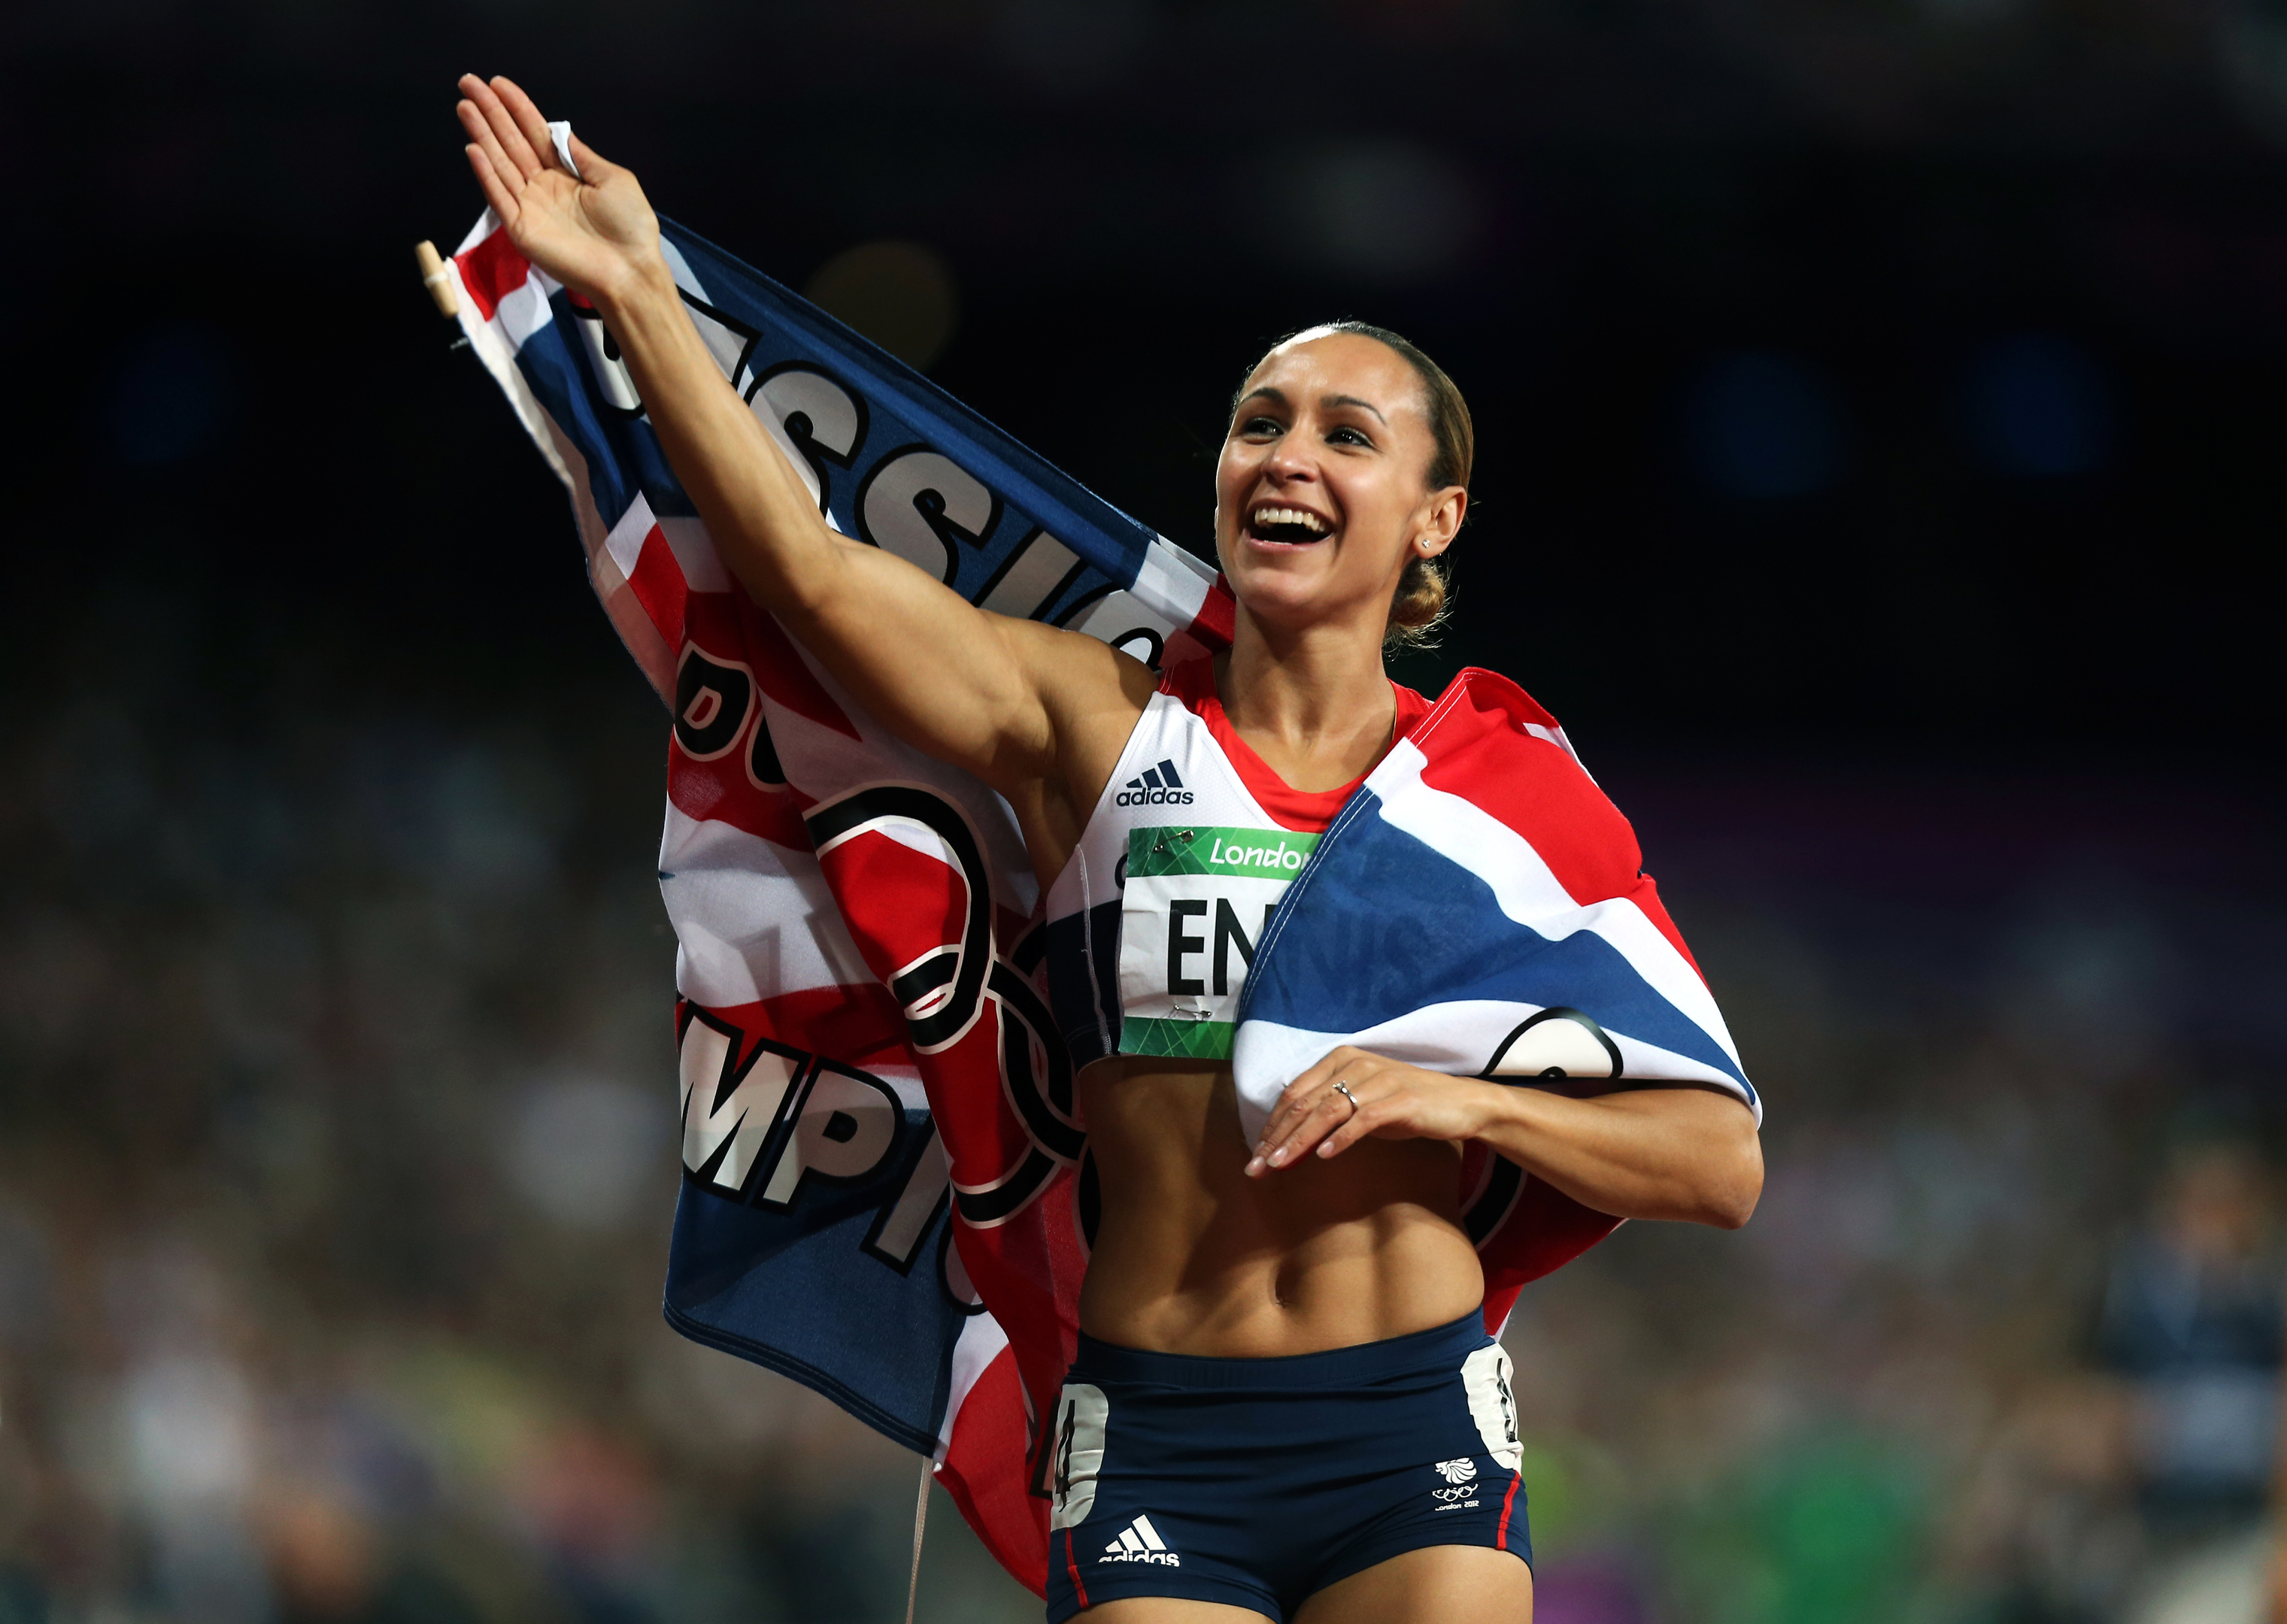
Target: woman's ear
{"x":1441,"y":522}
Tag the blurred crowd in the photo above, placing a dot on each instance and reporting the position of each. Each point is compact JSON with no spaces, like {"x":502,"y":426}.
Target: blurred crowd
{"x":335,"y":1102}
{"x":336,"y":1171}
{"x":1839,"y":369}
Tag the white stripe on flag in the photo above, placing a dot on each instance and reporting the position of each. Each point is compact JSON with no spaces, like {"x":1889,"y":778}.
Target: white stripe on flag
{"x":1172,"y":581}
{"x":981,"y":1341}
{"x":694,"y":552}
{"x":498,"y":358}
{"x":724,"y":345}
{"x":1025,"y":583}
{"x":1528,"y":893}
{"x":626,"y":540}
{"x":752,"y":919}
{"x":1456,"y":1037}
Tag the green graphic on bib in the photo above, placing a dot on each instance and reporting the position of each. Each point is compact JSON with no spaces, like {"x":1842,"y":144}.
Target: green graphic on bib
{"x":1182,"y":1040}
{"x":1195,"y":904}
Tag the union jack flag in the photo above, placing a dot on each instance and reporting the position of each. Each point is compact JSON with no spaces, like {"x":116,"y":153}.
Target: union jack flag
{"x":885,"y":1190}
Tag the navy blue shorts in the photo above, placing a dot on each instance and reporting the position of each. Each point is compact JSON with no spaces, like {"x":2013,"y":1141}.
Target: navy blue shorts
{"x":1256,"y":1482}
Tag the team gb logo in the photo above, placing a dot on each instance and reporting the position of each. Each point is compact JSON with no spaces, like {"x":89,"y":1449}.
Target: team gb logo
{"x":1457,"y":1471}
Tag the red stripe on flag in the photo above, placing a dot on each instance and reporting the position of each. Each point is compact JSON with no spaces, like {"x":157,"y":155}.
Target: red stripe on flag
{"x":1499,"y":1301}
{"x":1473,"y":750}
{"x":657,"y":581}
{"x":1546,"y":1230}
{"x":1217,"y":621}
{"x":492,"y":270}
{"x":900,"y":903}
{"x":1508,"y":1504}
{"x":984,"y":1470}
{"x":719,"y":789}
{"x":859,"y":1026}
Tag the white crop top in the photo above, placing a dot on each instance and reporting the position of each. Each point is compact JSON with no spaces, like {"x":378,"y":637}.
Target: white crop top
{"x":1152,"y":923}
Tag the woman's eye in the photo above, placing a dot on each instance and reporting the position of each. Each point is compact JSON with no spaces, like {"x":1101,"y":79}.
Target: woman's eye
{"x":1347,"y":435}
{"x":1262,"y":426}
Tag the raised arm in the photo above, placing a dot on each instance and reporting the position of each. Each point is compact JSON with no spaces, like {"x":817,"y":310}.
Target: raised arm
{"x":983,"y":691}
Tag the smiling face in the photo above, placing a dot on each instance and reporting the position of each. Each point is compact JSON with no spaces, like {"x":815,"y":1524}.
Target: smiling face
{"x":1322,"y":493}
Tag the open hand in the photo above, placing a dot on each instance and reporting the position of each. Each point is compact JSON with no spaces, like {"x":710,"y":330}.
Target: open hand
{"x":595,"y":233}
{"x":1394,"y":1101}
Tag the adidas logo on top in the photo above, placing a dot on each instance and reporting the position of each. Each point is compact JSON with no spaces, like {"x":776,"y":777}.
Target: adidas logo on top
{"x":1139,"y":1541}
{"x":1156,"y":786}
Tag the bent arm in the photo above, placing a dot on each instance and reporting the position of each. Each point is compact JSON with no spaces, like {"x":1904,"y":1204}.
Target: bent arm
{"x":1688,"y":1153}
{"x":1680,"y":1153}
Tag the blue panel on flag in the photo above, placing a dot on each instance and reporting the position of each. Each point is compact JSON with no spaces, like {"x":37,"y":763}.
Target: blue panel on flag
{"x":1395,"y":915}
{"x":785,"y":1289}
{"x":899,"y":463}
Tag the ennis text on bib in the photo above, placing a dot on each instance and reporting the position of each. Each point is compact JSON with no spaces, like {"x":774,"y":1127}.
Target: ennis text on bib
{"x":1153,"y":922}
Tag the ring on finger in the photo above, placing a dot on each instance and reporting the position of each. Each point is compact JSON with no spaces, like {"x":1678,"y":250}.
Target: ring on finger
{"x":1343,"y":1089}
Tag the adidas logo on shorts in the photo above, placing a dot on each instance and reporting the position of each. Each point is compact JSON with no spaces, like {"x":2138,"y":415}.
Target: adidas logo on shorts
{"x":1139,"y":1541}
{"x":1157,"y":786}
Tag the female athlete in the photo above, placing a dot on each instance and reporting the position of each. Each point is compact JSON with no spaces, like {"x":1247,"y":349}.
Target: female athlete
{"x":1285,"y":1405}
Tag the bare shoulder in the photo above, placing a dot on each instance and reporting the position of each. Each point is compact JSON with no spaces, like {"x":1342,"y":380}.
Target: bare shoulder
{"x":1084,"y":682}
{"x":1092,"y":692}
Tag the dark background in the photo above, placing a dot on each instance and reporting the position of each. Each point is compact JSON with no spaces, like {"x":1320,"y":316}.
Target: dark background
{"x":1880,"y":410}
{"x":1847,"y":380}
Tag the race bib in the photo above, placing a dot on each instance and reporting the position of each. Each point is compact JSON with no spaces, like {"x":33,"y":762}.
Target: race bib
{"x":1194,"y":907}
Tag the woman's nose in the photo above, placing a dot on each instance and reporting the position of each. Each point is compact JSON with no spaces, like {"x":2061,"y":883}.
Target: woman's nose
{"x":1290,"y":460}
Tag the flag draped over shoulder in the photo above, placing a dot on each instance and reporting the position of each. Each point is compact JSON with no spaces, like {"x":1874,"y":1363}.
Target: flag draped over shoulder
{"x":868,"y":1065}
{"x":1478,"y":908}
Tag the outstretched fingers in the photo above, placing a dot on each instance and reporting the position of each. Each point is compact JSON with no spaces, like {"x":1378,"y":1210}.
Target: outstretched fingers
{"x":509,"y":142}
{"x":492,"y":127}
{"x":496,"y":191}
{"x":484,"y":139}
{"x":525,"y":114}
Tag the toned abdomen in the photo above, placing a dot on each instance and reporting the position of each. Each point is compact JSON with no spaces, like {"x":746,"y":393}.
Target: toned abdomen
{"x":1193,"y":1257}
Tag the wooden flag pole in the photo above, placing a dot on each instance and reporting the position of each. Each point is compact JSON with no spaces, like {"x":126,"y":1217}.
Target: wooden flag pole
{"x":434,"y":278}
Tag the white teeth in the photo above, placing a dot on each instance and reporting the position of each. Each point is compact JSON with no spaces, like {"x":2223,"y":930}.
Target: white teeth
{"x":1310,"y":522}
